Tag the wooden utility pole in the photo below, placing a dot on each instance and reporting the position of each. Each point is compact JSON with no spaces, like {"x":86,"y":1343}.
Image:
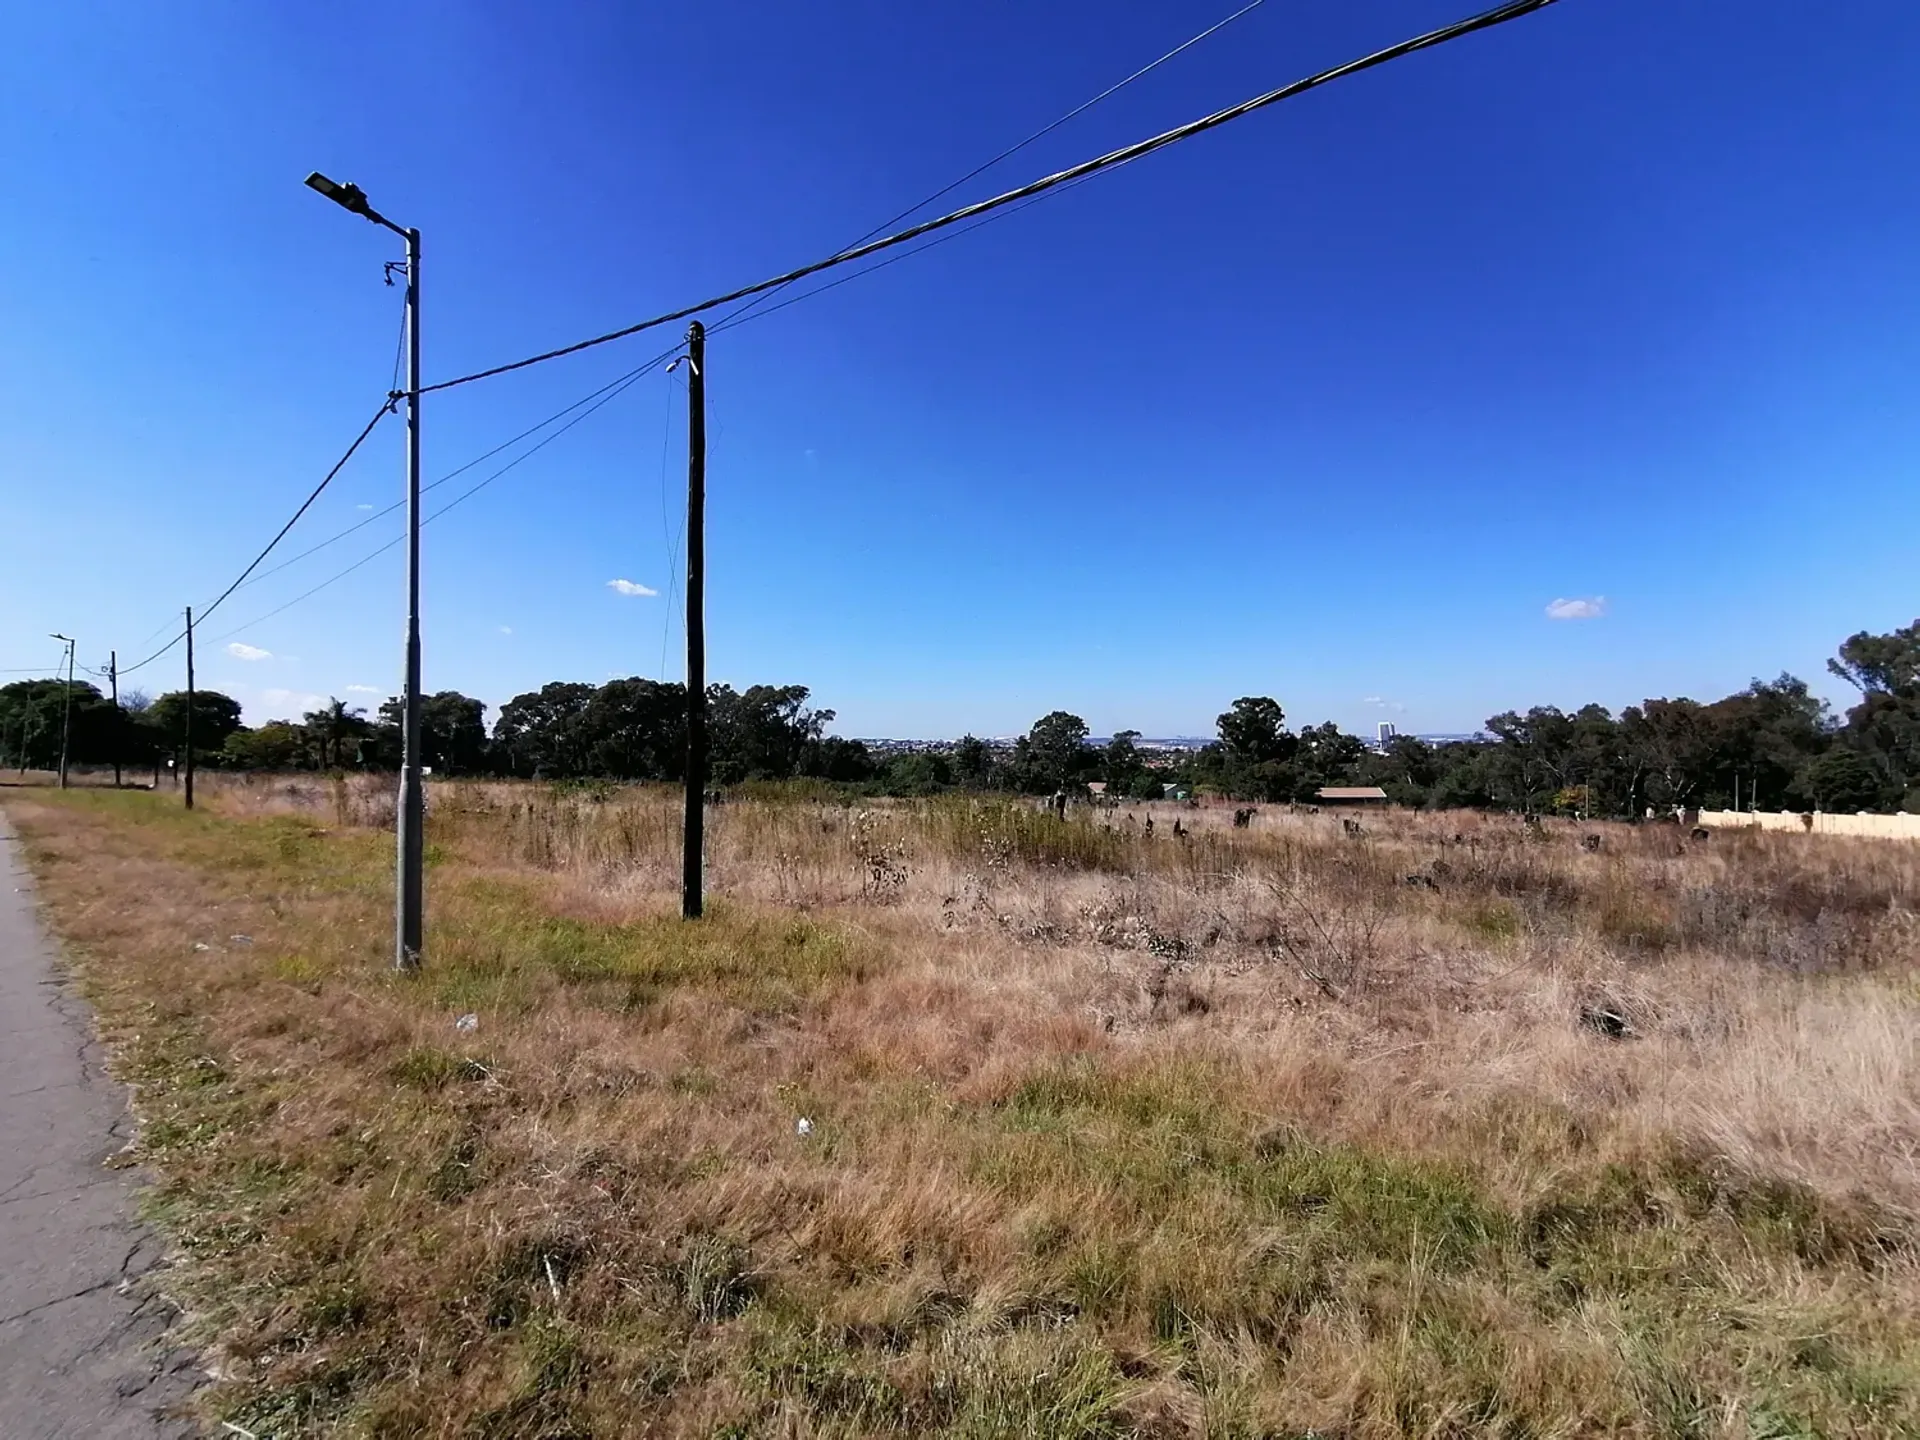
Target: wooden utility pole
{"x":409,"y":913}
{"x":113,"y":679}
{"x":189,"y":722}
{"x":694,"y":840}
{"x":66,"y":712}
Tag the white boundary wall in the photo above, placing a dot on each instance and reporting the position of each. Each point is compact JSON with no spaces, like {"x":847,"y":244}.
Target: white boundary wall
{"x":1882,"y":827}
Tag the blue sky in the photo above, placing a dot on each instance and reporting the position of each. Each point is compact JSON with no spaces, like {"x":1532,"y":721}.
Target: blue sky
{"x":1618,"y":301}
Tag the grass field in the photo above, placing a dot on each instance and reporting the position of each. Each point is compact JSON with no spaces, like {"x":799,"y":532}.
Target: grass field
{"x":1451,"y":1128}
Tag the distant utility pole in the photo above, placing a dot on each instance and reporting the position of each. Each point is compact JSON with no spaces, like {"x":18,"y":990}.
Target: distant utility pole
{"x":694,"y":842}
{"x":410,"y":848}
{"x":113,"y":679}
{"x":189,"y":723}
{"x":66,"y":710}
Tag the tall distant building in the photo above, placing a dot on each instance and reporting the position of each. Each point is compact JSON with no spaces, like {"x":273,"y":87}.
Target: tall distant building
{"x":1386,"y":732}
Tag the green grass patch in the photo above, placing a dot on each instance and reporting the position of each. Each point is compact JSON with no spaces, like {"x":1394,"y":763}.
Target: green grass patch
{"x":499,"y":950}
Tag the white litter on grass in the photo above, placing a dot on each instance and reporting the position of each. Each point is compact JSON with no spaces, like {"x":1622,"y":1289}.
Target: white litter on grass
{"x":241,"y":939}
{"x":803,"y":1127}
{"x":199,"y":946}
{"x":467,"y":1023}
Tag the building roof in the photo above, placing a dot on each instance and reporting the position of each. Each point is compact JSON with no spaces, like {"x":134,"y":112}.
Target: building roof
{"x":1352,"y":792}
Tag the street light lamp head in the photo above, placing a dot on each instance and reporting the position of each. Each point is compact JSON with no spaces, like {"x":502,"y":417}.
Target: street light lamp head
{"x":348,"y":197}
{"x":63,"y":639}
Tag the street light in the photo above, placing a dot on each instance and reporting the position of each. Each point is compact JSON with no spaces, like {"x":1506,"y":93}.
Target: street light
{"x":66,"y":708}
{"x":411,"y":854}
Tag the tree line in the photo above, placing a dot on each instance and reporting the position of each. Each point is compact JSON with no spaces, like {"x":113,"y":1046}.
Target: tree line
{"x":1773,"y":745}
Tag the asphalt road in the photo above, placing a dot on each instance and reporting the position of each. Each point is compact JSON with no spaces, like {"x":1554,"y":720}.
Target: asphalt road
{"x":83,"y":1328}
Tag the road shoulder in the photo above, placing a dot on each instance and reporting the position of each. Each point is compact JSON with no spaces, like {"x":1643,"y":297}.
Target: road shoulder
{"x":83,"y":1324}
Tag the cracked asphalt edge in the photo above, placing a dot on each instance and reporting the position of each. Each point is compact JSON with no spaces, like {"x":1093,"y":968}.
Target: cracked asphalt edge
{"x":101,"y":1359}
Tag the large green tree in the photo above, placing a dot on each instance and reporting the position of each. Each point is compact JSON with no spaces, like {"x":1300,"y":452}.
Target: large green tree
{"x":1672,"y":742}
{"x":276,"y":745}
{"x":973,"y":762}
{"x":1120,"y":764}
{"x":760,"y":733}
{"x":1254,"y":731}
{"x":1842,"y":781}
{"x":1762,"y":739}
{"x":215,"y":717}
{"x":1325,"y":755}
{"x":453,"y":734}
{"x":339,"y":733}
{"x":833,"y":757}
{"x":636,"y":729}
{"x":33,"y":712}
{"x":1885,"y":726}
{"x":1407,"y":768}
{"x":920,"y":772}
{"x":540,"y":733}
{"x":1888,"y":663}
{"x":1530,"y":764}
{"x":1053,"y":755}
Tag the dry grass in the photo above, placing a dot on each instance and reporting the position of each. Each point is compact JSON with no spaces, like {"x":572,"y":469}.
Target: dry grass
{"x":1278,"y":1133}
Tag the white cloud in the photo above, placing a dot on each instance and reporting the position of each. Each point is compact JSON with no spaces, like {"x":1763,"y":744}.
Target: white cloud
{"x":363,"y":689}
{"x":629,"y":587}
{"x":363,"y":507}
{"x":248,"y":652}
{"x":1591,"y":607}
{"x":293,"y":699}
{"x":506,"y":629}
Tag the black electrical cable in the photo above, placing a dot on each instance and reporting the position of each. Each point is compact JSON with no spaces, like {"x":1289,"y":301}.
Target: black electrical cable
{"x":1045,"y":130}
{"x":607,"y":394}
{"x":399,"y":346}
{"x":1499,"y":15}
{"x":979,"y":212}
{"x":338,"y":466}
{"x":454,"y":474}
{"x":746,"y":312}
{"x":743,"y":317}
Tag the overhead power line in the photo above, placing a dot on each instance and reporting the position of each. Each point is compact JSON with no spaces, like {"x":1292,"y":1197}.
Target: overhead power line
{"x":458,"y":471}
{"x":746,"y":312}
{"x":338,"y":466}
{"x":1486,"y":20}
{"x":746,"y":315}
{"x":739,"y":317}
{"x":1073,"y":114}
{"x":743,"y":314}
{"x":605,"y":395}
{"x":979,"y":213}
